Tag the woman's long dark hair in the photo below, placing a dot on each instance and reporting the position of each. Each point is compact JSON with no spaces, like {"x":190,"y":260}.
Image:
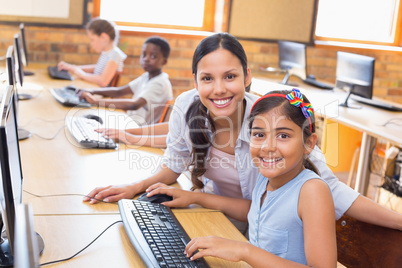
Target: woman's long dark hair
{"x":293,"y":113}
{"x":197,"y":116}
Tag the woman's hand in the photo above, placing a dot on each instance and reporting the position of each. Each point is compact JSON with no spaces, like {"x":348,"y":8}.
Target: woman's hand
{"x":111,"y":193}
{"x":181,"y":198}
{"x":217,"y":247}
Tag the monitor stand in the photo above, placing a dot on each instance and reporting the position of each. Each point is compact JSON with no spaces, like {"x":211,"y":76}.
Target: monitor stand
{"x":24,"y":96}
{"x":285,"y":80}
{"x":345,"y":103}
{"x":23,"y":134}
{"x":6,"y":258}
{"x":28,"y":73}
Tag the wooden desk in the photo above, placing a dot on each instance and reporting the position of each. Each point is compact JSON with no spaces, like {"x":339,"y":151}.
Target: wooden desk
{"x":60,"y":166}
{"x":369,"y":120}
{"x":64,"y":235}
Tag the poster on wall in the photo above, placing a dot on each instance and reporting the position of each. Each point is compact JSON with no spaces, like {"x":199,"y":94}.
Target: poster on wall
{"x":40,"y":12}
{"x":272,"y":20}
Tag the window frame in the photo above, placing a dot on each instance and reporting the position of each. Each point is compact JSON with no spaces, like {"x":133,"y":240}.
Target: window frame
{"x":208,"y":21}
{"x":397,"y":37}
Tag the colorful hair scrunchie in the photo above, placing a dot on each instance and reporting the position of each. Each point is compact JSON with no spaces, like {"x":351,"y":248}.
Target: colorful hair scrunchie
{"x":296,"y":99}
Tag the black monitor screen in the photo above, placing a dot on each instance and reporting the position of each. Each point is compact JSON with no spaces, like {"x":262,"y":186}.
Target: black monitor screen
{"x":355,"y":74}
{"x":18,"y":62}
{"x":11,"y":172}
{"x":24,"y":45}
{"x":292,"y":58}
{"x":10,"y":66}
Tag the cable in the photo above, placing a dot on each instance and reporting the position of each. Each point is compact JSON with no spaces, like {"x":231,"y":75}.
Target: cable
{"x":42,"y":119}
{"x":392,"y":122}
{"x":53,"y":195}
{"x":69,"y":258}
{"x":51,"y":138}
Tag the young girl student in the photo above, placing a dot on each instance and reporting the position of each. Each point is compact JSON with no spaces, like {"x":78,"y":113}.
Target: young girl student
{"x":209,"y":126}
{"x":291,"y":215}
{"x":103,"y":39}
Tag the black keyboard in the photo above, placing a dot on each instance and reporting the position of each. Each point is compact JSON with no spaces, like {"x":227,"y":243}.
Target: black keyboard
{"x":56,"y":74}
{"x":378,"y":103}
{"x":156,"y":234}
{"x":312,"y":81}
{"x":68,"y":97}
{"x":83,"y":131}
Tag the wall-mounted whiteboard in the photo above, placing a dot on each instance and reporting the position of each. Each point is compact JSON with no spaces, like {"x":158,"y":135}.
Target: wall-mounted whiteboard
{"x":53,"y":12}
{"x":291,"y":20}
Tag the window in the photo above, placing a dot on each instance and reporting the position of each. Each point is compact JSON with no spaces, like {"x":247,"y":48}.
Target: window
{"x":365,"y":21}
{"x":174,"y":14}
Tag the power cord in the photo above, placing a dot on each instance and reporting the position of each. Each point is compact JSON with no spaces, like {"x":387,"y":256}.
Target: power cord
{"x":41,"y":119}
{"x":69,"y":258}
{"x":54,"y":195}
{"x":393,"y":121}
{"x":49,"y":138}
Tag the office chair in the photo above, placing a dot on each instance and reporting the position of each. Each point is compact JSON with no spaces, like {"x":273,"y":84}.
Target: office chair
{"x":115,"y":80}
{"x":167,"y":111}
{"x":366,"y":245}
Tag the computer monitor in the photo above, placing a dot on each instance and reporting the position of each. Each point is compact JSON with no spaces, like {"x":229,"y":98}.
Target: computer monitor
{"x":10,"y":67}
{"x":11,"y":173}
{"x":18,"y":60}
{"x":19,"y":66}
{"x":24,"y":49}
{"x":26,"y":250}
{"x":292,"y":60}
{"x":354,"y":74}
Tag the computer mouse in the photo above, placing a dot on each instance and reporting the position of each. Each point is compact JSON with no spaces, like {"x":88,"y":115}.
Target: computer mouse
{"x":158,"y":198}
{"x":311,"y":76}
{"x":72,"y":88}
{"x":94,"y":117}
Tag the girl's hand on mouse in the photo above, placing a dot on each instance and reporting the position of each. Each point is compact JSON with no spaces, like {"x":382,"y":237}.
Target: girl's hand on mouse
{"x":181,"y":198}
{"x":217,"y":247}
{"x":112,"y":193}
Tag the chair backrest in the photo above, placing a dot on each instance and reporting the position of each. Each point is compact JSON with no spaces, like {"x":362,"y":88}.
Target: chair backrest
{"x":167,"y":111}
{"x":365,"y":245}
{"x":115,"y":80}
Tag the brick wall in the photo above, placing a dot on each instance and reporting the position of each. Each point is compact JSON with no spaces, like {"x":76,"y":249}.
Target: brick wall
{"x":49,"y":45}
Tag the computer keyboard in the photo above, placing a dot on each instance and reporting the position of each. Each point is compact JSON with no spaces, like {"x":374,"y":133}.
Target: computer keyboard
{"x":378,"y":103}
{"x":68,"y":97}
{"x":156,"y":234}
{"x":312,"y":81}
{"x":56,"y":74}
{"x":83,"y":131}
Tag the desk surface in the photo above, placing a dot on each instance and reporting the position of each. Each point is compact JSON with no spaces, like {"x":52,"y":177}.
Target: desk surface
{"x":65,"y":235}
{"x":58,"y":166}
{"x":326,"y":103}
